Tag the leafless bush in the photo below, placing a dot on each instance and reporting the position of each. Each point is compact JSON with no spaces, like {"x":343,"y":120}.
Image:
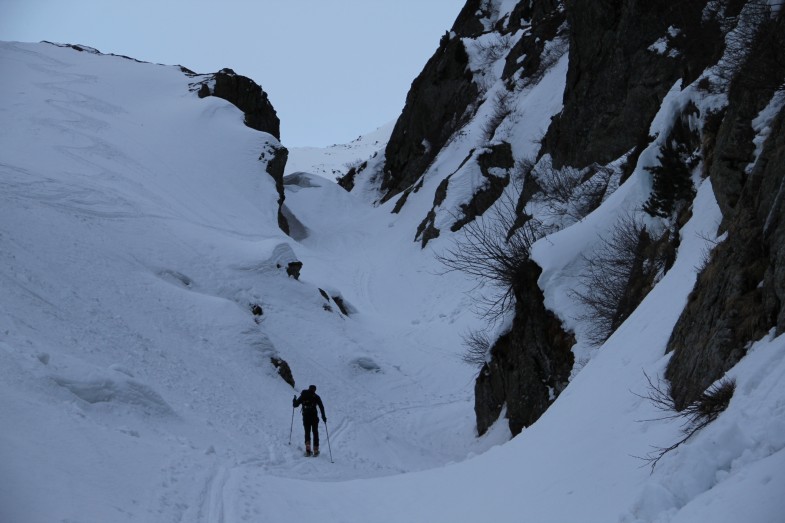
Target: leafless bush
{"x":604,"y":285}
{"x":488,"y":49}
{"x":492,"y":47}
{"x":477,"y":347}
{"x":570,"y":192}
{"x":557,"y":185}
{"x":695,"y":416}
{"x":501,"y":110}
{"x":494,"y":249}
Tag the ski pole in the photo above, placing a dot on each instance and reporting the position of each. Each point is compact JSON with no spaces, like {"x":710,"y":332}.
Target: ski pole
{"x":291,"y":427}
{"x":326,"y":430}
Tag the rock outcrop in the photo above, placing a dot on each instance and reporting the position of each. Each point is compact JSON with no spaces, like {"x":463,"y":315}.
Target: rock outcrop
{"x":530,"y":365}
{"x":246,"y":95}
{"x":438,"y":104}
{"x":625,"y":58}
{"x":617,"y":77}
{"x":740,"y":294}
{"x":276,"y":155}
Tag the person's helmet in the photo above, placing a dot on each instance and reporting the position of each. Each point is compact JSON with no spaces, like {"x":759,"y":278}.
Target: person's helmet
{"x":312,"y":388}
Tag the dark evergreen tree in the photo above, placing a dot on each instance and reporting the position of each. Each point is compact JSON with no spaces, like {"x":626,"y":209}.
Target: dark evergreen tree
{"x":672,"y":178}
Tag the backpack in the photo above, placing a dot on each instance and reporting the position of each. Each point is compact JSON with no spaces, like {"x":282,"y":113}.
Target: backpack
{"x":308,"y":401}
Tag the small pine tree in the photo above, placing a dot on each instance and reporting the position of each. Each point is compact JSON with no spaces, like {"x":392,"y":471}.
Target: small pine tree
{"x":672,"y":179}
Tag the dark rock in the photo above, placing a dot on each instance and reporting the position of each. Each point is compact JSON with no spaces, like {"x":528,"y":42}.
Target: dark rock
{"x":529,"y":57}
{"x":347,"y":180}
{"x":276,"y":156}
{"x":283,"y":370}
{"x":427,"y":229}
{"x":256,"y":310}
{"x":342,"y":305}
{"x":246,"y":95}
{"x":468,"y":23}
{"x":740,"y":294}
{"x":438,"y":104}
{"x":401,"y":202}
{"x":615,"y":84}
{"x":293,"y":269}
{"x":529,"y":367}
{"x":733,"y":141}
{"x":500,"y":157}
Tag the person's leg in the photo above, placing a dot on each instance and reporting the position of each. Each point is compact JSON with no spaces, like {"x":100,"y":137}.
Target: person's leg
{"x":316,"y":434}
{"x":307,"y":428}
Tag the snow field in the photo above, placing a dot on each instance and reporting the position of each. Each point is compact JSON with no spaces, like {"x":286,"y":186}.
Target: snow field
{"x":137,"y":226}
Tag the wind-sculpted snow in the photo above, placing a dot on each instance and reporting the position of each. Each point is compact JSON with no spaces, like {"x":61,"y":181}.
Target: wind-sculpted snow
{"x":113,"y":390}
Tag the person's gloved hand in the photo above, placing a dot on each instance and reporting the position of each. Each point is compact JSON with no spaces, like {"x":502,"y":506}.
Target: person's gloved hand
{"x":294,"y":401}
{"x":324,"y":419}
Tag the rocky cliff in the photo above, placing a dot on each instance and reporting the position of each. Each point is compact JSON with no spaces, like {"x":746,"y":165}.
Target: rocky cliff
{"x":615,"y":82}
{"x":740,"y":294}
{"x":439,"y":103}
{"x":557,"y":104}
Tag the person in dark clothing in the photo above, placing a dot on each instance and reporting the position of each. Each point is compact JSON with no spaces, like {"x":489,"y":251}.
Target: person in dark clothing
{"x":310,"y":401}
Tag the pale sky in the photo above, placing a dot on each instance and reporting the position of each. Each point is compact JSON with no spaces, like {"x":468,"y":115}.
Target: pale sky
{"x":334,"y":69}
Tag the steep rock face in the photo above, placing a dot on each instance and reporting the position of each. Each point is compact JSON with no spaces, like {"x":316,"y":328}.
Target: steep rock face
{"x":247,"y":96}
{"x":494,"y":164}
{"x":529,"y":56}
{"x":616,"y":80}
{"x":530,"y":365}
{"x":740,"y":294}
{"x":436,"y":107}
{"x":468,"y":22}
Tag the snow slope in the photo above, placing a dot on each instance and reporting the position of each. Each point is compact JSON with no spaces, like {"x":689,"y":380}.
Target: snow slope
{"x":138,"y":226}
{"x":333,"y":161}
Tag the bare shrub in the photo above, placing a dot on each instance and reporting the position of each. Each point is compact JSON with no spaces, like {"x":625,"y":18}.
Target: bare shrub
{"x":487,"y":49}
{"x":609,"y":269}
{"x":492,"y":47}
{"x":501,"y":110}
{"x":572,"y":193}
{"x":695,"y":416}
{"x":558,"y":185}
{"x":477,"y":348}
{"x":495,"y":248}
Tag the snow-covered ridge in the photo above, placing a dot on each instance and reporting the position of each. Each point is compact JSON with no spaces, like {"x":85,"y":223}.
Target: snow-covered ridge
{"x":334,"y":161}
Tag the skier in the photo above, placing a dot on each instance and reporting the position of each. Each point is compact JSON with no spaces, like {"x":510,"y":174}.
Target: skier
{"x":310,"y":400}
